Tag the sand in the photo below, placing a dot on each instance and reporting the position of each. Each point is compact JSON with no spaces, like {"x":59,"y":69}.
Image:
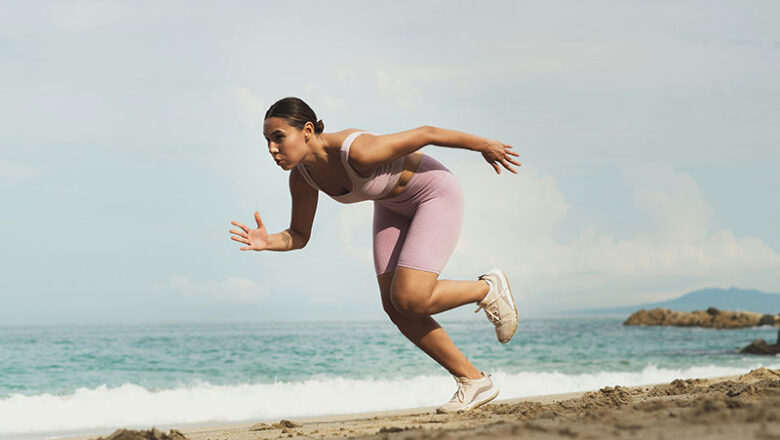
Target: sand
{"x":744,"y":407}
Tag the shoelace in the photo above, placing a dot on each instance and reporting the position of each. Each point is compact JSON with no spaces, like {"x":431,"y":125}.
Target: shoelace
{"x":460,"y":395}
{"x":490,"y":310}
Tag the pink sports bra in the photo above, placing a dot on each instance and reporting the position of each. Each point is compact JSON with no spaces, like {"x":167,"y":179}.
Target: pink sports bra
{"x":363,"y":188}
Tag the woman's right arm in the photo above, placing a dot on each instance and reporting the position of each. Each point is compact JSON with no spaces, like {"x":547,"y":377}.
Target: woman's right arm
{"x":304,"y":206}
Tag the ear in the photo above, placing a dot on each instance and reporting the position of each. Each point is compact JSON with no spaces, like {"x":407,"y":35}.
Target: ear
{"x":308,"y":131}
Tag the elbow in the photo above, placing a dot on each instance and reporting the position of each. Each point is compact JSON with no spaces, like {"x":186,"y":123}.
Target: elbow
{"x":298,"y":240}
{"x":429,"y":133}
{"x":301,"y":242}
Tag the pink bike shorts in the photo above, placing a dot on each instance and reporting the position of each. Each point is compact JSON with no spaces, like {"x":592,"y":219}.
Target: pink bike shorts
{"x":419,"y":228}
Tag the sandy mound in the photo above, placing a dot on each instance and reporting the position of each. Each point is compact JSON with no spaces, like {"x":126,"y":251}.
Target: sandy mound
{"x":152,"y":434}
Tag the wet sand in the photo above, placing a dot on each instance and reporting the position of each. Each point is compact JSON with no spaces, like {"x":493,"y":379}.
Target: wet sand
{"x":745,"y":407}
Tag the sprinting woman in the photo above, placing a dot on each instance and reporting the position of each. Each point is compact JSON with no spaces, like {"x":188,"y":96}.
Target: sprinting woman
{"x":418,"y":212}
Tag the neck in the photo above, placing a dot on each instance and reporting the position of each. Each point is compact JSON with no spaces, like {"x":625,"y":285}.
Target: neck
{"x":318,"y":152}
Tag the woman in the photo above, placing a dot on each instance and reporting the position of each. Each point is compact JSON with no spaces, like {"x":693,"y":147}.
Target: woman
{"x":418,"y":212}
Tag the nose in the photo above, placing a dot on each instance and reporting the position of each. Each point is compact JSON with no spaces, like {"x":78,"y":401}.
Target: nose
{"x":273,"y":148}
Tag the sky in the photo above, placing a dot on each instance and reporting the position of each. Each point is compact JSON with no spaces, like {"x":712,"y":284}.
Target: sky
{"x":131,"y":135}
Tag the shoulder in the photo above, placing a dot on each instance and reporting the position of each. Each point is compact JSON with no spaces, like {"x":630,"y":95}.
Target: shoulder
{"x":337,"y":138}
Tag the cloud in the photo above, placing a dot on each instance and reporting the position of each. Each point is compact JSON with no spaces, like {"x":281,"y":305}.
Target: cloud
{"x":329,"y":102}
{"x":398,"y":90}
{"x":402,"y":86}
{"x":322,"y":100}
{"x":249,"y":106}
{"x":346,"y":75}
{"x":509,"y":222}
{"x":676,"y":203}
{"x":230,"y":290}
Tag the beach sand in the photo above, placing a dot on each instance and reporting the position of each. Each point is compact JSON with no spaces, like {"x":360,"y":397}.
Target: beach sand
{"x":745,"y":407}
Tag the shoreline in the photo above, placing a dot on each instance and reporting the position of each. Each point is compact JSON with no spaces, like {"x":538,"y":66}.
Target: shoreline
{"x":203,"y":428}
{"x":728,"y":404}
{"x":231,"y":430}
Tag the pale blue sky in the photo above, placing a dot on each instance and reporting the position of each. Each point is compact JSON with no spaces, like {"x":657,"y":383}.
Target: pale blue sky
{"x":130,"y":136}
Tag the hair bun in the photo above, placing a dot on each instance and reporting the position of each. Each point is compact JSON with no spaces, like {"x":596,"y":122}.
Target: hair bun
{"x":319,"y":127}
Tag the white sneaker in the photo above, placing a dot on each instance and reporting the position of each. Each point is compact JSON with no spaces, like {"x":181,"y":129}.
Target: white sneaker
{"x":499,"y":305}
{"x":471,"y":394}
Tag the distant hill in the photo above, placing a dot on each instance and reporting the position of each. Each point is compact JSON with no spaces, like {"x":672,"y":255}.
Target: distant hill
{"x":725,"y":299}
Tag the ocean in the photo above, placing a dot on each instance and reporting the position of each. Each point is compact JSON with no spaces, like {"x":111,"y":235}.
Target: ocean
{"x":89,"y":380}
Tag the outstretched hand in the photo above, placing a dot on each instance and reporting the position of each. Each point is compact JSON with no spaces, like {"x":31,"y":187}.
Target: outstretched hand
{"x":496,"y":153}
{"x":254,"y":239}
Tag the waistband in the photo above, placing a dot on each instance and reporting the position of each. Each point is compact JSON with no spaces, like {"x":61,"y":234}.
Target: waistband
{"x":411,"y":163}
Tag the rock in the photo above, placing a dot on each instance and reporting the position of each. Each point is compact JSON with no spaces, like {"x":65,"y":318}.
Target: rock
{"x":769,"y":319}
{"x":760,"y":346}
{"x":260,"y":427}
{"x":285,"y":424}
{"x":176,"y":435}
{"x":152,"y":434}
{"x":388,"y":429}
{"x":711,"y":318}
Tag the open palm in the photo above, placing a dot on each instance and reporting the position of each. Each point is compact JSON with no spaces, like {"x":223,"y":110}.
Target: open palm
{"x":254,"y":239}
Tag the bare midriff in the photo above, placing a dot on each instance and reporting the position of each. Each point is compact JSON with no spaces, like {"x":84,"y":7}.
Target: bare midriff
{"x":411,"y":162}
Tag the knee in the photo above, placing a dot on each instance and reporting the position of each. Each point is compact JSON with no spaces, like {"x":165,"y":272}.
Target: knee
{"x":410,"y":304}
{"x":395,"y":316}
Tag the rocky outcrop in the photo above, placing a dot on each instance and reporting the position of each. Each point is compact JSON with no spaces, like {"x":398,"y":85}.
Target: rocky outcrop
{"x":152,"y":434}
{"x":710,"y":318}
{"x":760,"y":346}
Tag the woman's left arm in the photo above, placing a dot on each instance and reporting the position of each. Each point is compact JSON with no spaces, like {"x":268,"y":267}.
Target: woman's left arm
{"x":369,"y":151}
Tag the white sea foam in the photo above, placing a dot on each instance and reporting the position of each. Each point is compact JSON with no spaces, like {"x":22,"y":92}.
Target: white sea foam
{"x":104,"y":408}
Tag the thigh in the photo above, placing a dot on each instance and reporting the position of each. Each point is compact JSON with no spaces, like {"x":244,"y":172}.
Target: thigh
{"x":434,"y":229}
{"x":412,"y":284}
{"x":390,"y":229}
{"x":385,"y":282}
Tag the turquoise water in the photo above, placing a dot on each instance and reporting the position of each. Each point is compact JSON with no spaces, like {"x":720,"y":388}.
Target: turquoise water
{"x":72,"y":367}
{"x":60,"y":359}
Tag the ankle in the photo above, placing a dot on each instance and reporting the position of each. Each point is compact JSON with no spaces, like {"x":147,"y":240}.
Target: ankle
{"x":487,"y":289}
{"x":476,"y":376}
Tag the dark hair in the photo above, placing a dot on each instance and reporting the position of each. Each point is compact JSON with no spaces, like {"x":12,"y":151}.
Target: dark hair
{"x":296,"y":112}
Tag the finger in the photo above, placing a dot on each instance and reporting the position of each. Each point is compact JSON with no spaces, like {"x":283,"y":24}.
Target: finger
{"x":496,"y":167}
{"x":509,"y":167}
{"x":239,"y":233}
{"x":513,"y":153}
{"x":239,"y":239}
{"x":240,"y":225}
{"x":258,"y":220}
{"x":246,"y":248}
{"x":510,"y":160}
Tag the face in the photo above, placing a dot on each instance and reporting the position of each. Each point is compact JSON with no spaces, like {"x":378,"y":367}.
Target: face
{"x":286,"y":143}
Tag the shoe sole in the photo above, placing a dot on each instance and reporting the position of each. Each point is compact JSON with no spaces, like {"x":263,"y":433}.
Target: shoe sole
{"x":476,"y":404}
{"x":514,"y":305}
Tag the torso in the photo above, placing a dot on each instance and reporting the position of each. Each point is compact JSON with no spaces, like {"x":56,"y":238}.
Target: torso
{"x":334,"y":180}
